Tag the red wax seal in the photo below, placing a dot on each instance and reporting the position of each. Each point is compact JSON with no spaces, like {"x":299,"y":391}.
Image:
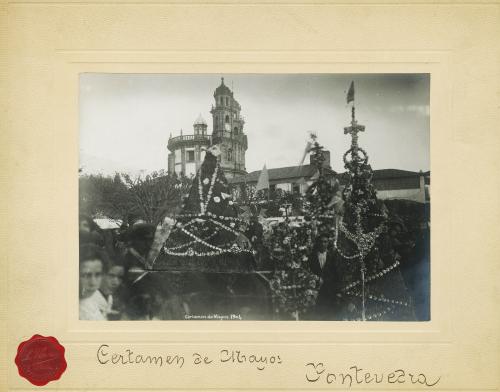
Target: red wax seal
{"x":40,"y":360}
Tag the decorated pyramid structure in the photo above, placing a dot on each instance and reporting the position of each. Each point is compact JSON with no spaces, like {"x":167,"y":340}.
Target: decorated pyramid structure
{"x":206,"y":236}
{"x":294,"y":287}
{"x":372,"y":285}
{"x":323,"y":195}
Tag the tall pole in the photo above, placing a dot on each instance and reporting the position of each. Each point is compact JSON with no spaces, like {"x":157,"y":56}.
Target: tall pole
{"x":233,"y":154}
{"x":353,"y":130}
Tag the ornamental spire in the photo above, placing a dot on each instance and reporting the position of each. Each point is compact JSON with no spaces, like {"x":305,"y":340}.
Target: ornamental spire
{"x":355,"y":128}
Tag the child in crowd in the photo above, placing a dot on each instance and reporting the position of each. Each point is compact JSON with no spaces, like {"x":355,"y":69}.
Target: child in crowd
{"x":112,"y":288}
{"x":93,"y":305}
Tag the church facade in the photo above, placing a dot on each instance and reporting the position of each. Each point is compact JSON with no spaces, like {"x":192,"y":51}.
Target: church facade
{"x":187,"y":151}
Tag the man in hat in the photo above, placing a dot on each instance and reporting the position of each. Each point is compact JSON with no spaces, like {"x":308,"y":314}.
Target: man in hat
{"x":140,"y":237}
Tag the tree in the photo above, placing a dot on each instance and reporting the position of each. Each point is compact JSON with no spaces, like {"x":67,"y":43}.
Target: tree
{"x":100,"y":195}
{"x":157,"y":194}
{"x":151,"y":197}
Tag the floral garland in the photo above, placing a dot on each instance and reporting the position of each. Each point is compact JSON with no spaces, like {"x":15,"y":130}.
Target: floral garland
{"x":191,"y":252}
{"x":193,"y":241}
{"x":372,"y":277}
{"x":379,"y":314}
{"x":363,"y":241}
{"x":204,"y":202}
{"x":222,"y":225}
{"x":199,"y":240}
{"x":380,"y":299}
{"x":298,"y":296}
{"x":211,"y":214}
{"x":234,"y":248}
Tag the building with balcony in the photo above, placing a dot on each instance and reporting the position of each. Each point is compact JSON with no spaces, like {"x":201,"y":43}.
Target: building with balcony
{"x":187,"y":151}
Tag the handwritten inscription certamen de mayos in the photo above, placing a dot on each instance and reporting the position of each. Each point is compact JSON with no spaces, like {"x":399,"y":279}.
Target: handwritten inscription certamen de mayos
{"x":314,"y":372}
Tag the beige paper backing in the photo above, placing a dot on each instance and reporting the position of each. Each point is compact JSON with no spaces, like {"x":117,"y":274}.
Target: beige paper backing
{"x":50,"y":43}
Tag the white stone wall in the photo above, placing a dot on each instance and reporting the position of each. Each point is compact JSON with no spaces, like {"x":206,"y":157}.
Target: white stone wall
{"x":408,"y":194}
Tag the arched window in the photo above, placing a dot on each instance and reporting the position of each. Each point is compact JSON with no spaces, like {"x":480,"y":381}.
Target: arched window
{"x":227,"y":101}
{"x":235,"y":131}
{"x":229,"y":155}
{"x":227,"y":119}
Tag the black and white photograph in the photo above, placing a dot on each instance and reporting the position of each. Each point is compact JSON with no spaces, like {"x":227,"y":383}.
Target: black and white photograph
{"x":277,"y":197}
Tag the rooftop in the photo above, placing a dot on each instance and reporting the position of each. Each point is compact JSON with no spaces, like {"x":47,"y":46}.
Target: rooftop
{"x":391,"y":173}
{"x":307,"y":171}
{"x":280,"y":173}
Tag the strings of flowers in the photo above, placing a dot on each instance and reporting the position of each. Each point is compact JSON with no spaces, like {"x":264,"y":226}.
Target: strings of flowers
{"x":323,"y":201}
{"x":372,"y":285}
{"x":207,"y":232}
{"x":294,"y":288}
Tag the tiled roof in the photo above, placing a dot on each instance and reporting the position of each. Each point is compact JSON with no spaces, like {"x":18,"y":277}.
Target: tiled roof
{"x":280,"y":173}
{"x":383,"y":174}
{"x":290,"y":173}
{"x":393,"y":173}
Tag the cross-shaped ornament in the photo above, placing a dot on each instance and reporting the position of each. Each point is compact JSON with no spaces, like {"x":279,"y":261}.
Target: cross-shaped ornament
{"x":353,"y":130}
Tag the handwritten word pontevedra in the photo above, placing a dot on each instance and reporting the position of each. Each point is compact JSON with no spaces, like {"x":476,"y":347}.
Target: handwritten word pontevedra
{"x":354,"y":375}
{"x":105,"y":356}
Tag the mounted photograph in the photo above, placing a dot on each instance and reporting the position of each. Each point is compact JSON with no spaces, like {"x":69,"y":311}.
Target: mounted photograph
{"x":254,"y":197}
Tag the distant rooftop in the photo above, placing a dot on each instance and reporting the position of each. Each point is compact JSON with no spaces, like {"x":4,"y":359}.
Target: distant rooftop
{"x":307,"y":171}
{"x":390,"y":173}
{"x":280,"y":173}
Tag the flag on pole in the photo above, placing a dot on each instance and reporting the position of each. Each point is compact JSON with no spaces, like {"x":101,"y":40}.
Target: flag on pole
{"x":350,"y":93}
{"x":263,"y":182}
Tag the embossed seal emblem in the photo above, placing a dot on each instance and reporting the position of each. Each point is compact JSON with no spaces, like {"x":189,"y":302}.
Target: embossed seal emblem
{"x":40,"y":360}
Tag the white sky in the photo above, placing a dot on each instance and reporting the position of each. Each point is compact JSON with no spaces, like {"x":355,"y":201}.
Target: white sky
{"x":126,"y":119}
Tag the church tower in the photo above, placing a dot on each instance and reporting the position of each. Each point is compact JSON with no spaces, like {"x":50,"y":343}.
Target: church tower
{"x":227,"y":131}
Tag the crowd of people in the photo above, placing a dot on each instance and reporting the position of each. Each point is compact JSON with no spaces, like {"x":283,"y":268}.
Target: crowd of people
{"x":107,"y":260}
{"x":112,"y":264}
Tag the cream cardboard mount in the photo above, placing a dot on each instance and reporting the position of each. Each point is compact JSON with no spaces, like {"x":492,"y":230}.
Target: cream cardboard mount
{"x":49,"y":44}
